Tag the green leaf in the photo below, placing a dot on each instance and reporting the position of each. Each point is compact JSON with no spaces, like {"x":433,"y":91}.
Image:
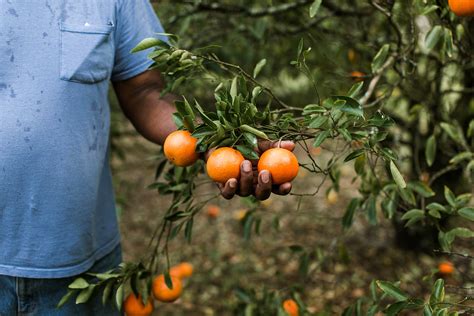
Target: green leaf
{"x":434,"y":213}
{"x":430,"y":150}
{"x":203,"y":115}
{"x":467,"y":212}
{"x":372,"y":210}
{"x":106,"y":294}
{"x":314,"y":8}
{"x":313,"y":108}
{"x":356,"y":111}
{"x":65,"y":298}
{"x":119,"y":297}
{"x":413,"y":214}
{"x":251,"y":139}
{"x":436,"y":206}
{"x":437,"y":294}
{"x":318,"y":122}
{"x":433,"y":37}
{"x":355,"y":89}
{"x":392,"y":290}
{"x":460,"y":157}
{"x":421,"y":188}
{"x":395,"y":308}
{"x":148,"y":43}
{"x":449,"y":196}
{"x":254,"y":131}
{"x":463,"y":199}
{"x":373,"y":291}
{"x":427,"y":310}
{"x":85,"y":294}
{"x":452,"y":132}
{"x":349,"y":214}
{"x":380,"y":58}
{"x":256,"y":92}
{"x":408,"y":196}
{"x":233,"y":88}
{"x":428,"y":9}
{"x":320,"y":138}
{"x":353,"y":155}
{"x":247,"y":152}
{"x":259,"y":67}
{"x":397,"y":176}
{"x":448,"y":42}
{"x":461,"y":232}
{"x":79,"y":283}
{"x":188,"y":229}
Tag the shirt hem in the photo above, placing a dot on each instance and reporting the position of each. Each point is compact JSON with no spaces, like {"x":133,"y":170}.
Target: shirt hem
{"x":63,"y":272}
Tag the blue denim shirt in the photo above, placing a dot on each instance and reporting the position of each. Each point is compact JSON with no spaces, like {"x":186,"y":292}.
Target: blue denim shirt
{"x":57,"y":57}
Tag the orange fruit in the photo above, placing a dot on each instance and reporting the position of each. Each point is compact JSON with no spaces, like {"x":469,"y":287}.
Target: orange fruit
{"x":182,"y":270}
{"x":358,"y":75}
{"x":290,"y":307}
{"x":224,"y":164}
{"x":332,"y":197}
{"x":133,"y":306}
{"x":462,"y":7}
{"x":213,"y":211}
{"x":282,"y":164}
{"x":180,"y":148}
{"x":316,"y":151}
{"x":163,"y":293}
{"x":446,"y":268}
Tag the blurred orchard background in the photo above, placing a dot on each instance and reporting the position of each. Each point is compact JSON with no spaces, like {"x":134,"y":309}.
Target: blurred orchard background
{"x":306,"y":243}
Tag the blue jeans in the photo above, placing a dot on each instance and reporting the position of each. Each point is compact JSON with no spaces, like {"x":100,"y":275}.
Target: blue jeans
{"x":24,"y":296}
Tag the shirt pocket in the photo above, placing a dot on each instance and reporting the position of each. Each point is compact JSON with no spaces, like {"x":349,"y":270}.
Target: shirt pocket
{"x":87,"y":52}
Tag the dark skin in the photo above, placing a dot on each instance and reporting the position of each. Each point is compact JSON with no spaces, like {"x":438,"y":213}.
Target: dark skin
{"x":151,"y":115}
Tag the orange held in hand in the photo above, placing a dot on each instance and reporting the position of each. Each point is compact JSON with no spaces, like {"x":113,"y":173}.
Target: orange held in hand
{"x":163,"y":293}
{"x":180,"y":148}
{"x":462,"y":7}
{"x":290,"y":307}
{"x":224,"y":164}
{"x":182,"y":270}
{"x":133,"y":306}
{"x":446,"y":268}
{"x":281,"y":163}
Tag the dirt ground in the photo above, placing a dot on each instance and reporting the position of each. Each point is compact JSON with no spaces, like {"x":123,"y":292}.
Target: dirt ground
{"x":344,"y":264}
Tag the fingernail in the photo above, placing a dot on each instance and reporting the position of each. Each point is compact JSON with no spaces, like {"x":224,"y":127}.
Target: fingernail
{"x":247,"y":167}
{"x":233,"y":184}
{"x":265,"y":177}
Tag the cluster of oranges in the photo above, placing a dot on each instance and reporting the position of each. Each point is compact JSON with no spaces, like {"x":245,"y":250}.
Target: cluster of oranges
{"x":133,"y":305}
{"x":224,"y":163}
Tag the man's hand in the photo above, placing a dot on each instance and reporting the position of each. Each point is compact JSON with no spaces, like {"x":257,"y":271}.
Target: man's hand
{"x":252,"y":182}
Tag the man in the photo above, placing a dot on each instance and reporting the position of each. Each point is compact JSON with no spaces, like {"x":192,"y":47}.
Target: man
{"x":57,"y":214}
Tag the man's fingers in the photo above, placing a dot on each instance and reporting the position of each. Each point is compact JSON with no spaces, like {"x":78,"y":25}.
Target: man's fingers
{"x":267,"y":144}
{"x":228,"y":190}
{"x":264,"y":186}
{"x":286,"y":144}
{"x":282,"y":189}
{"x":246,"y":178}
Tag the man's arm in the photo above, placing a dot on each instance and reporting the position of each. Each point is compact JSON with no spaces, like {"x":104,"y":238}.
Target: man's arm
{"x":143,"y":105}
{"x":152,"y":117}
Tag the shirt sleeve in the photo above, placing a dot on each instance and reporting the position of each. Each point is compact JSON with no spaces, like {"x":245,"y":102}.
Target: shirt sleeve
{"x":136,"y":20}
